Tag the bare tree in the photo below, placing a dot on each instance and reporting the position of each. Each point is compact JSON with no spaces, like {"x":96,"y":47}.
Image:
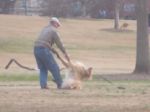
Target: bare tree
{"x":74,"y":8}
{"x":116,"y":15}
{"x":142,"y":44}
{"x":7,"y":6}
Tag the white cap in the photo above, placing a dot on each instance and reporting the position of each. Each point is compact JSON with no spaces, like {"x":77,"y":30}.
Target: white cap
{"x":55,"y":20}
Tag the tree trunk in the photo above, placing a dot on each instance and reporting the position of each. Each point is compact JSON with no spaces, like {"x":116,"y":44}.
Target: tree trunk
{"x":25,"y":7}
{"x":116,"y":19}
{"x":142,"y":44}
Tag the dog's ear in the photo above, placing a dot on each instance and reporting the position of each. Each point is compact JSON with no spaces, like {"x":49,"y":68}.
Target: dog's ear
{"x":89,"y":70}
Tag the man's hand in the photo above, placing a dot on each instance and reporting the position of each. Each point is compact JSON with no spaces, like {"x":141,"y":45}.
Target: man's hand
{"x":67,"y":57}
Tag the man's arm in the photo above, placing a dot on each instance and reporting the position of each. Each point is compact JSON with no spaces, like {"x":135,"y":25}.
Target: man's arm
{"x":60,"y":46}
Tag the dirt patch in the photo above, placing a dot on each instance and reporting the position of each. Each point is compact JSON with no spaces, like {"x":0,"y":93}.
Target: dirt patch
{"x":124,"y":77}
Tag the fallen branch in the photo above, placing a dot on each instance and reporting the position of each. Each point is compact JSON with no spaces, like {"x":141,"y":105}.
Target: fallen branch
{"x":28,"y":68}
{"x":20,"y":65}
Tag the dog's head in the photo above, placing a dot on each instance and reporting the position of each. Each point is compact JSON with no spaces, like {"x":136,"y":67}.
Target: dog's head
{"x":88,"y":73}
{"x":82,"y":72}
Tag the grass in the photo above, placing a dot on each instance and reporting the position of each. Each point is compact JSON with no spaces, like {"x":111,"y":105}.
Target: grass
{"x":21,"y":77}
{"x":16,"y":45}
{"x":111,"y":89}
{"x":91,"y":41}
{"x":23,"y":33}
{"x":96,"y":96}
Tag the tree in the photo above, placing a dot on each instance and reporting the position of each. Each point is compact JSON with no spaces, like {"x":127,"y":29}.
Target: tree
{"x":116,"y":15}
{"x":25,"y":6}
{"x":142,"y":43}
{"x":7,"y":6}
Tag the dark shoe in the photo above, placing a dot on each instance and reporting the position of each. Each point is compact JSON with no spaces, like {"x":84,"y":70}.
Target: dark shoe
{"x":59,"y":87}
{"x":46,"y":87}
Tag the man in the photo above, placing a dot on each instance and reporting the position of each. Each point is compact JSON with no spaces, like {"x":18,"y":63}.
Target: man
{"x":44,"y":55}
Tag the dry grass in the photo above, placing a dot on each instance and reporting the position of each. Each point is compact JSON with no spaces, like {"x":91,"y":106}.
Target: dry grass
{"x":89,"y":41}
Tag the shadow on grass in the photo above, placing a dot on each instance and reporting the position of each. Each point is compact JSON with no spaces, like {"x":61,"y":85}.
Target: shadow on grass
{"x":122,"y":77}
{"x":118,"y":31}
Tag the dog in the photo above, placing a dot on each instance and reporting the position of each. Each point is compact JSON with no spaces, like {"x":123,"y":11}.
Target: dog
{"x":76,"y":73}
{"x":124,"y":26}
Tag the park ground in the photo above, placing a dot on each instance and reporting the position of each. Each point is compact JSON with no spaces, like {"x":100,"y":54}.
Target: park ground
{"x":94,"y":42}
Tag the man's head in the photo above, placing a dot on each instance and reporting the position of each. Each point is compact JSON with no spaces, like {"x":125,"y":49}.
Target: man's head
{"x":55,"y":22}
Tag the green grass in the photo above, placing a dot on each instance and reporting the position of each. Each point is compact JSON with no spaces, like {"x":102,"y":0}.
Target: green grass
{"x":92,"y":89}
{"x":21,"y":76}
{"x":18,"y":77}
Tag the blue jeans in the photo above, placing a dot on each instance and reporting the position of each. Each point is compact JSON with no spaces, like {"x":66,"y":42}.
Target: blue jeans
{"x":46,"y":62}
